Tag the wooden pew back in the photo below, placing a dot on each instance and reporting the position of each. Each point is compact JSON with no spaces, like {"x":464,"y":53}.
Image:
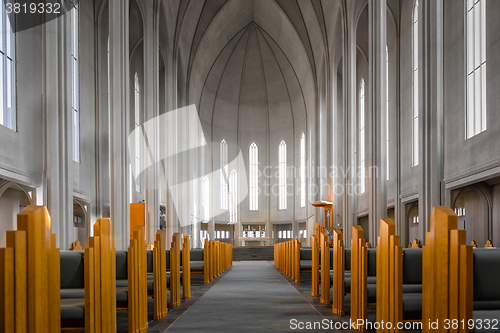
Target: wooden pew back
{"x":159,"y":275}
{"x":315,"y":260}
{"x":77,"y":246}
{"x":206,"y":262}
{"x":175,"y":271}
{"x":447,"y":272}
{"x":325,"y":268}
{"x":186,"y":267}
{"x":338,"y":283}
{"x":100,"y":274}
{"x":359,"y":274}
{"x":137,"y":282}
{"x":30,"y":275}
{"x":389,"y":276}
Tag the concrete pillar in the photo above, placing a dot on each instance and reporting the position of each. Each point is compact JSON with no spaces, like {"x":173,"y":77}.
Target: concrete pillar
{"x":57,"y":129}
{"x":349,"y":163}
{"x":151,"y":111}
{"x":119,"y":120}
{"x":377,"y":115}
{"x":431,"y":186}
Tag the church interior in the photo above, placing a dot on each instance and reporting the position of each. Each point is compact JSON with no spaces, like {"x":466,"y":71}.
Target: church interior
{"x":249,"y":165}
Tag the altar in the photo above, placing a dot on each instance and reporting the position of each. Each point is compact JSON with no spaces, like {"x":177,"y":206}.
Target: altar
{"x":255,"y":241}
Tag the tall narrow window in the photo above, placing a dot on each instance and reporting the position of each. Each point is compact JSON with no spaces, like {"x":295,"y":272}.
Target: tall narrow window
{"x":7,"y":71}
{"x":223,"y":175}
{"x":137,"y":123}
{"x":253,"y":153}
{"x":476,"y":67}
{"x":303,"y":170}
{"x":75,"y":81}
{"x":206,"y":199}
{"x":233,"y":200}
{"x":362,"y":137}
{"x":282,"y":175}
{"x":415,"y":85}
{"x":387,"y":107}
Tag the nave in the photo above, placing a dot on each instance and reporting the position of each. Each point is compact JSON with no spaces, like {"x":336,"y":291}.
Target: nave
{"x":231,"y":124}
{"x":251,"y":297}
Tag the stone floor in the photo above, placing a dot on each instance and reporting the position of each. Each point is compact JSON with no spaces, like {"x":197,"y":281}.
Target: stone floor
{"x":252,"y":297}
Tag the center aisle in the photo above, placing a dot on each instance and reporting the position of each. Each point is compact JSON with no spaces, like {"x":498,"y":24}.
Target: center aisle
{"x":251,"y":297}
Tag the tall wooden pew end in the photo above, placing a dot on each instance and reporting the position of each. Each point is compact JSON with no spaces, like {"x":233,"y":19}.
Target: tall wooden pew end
{"x":30,"y":275}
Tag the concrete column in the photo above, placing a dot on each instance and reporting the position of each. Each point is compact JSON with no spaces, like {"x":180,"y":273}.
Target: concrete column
{"x":377,"y":115}
{"x":431,"y":186}
{"x":119,"y":114}
{"x":349,"y":200}
{"x":57,"y":129}
{"x":211,"y":230}
{"x":151,"y":111}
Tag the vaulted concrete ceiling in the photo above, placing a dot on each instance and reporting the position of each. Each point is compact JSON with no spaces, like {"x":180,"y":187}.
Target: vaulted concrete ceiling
{"x":203,"y":29}
{"x":252,"y":91}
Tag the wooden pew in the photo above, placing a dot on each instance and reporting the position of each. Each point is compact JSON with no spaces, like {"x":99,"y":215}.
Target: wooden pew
{"x":100,"y":274}
{"x":73,"y":281}
{"x":211,"y":261}
{"x":166,"y":269}
{"x":415,"y":244}
{"x":77,"y":246}
{"x":229,"y":249}
{"x":207,"y":272}
{"x":281,"y":256}
{"x":205,"y":255}
{"x":137,"y":282}
{"x":447,"y":275}
{"x":299,"y":259}
{"x":316,"y":260}
{"x":359,"y":275}
{"x":315,"y":265}
{"x":338,"y":267}
{"x":325,"y":268}
{"x":175,"y":271}
{"x":486,"y":300}
{"x":30,"y":276}
{"x":186,"y":267}
{"x":389,"y":276}
{"x":489,"y":243}
{"x":159,"y":275}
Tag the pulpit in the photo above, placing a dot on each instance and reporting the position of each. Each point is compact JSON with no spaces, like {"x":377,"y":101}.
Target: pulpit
{"x":328,"y":211}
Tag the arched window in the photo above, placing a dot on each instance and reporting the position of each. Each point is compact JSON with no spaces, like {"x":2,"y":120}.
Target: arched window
{"x":476,"y":67}
{"x":137,"y":117}
{"x":233,"y":197}
{"x":253,"y":154}
{"x":206,"y":198}
{"x":75,"y":80}
{"x":223,"y":175}
{"x":387,"y":108}
{"x":7,"y":71}
{"x":415,"y":85}
{"x":282,"y":175}
{"x":362,"y":177}
{"x":303,"y":170}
